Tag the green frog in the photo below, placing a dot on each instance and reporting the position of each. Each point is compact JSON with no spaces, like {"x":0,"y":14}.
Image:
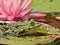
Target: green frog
{"x":25,"y":28}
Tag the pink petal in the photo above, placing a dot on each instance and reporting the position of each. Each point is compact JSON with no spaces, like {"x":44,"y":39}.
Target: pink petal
{"x":26,"y":17}
{"x":2,"y":12}
{"x":10,"y":18}
{"x":23,"y":13}
{"x":25,"y":4}
{"x":43,"y":20}
{"x":3,"y":16}
{"x":37,"y":15}
{"x":10,"y":6}
{"x":15,"y":6}
{"x":3,"y":5}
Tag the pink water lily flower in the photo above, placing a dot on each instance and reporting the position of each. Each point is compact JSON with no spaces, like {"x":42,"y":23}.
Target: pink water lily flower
{"x":11,"y":10}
